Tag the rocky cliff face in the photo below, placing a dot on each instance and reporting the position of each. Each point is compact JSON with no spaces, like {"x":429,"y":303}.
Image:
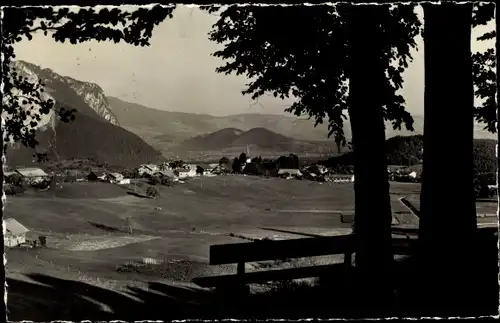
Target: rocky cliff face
{"x":94,"y":96}
{"x":90,"y":93}
{"x":95,"y":132}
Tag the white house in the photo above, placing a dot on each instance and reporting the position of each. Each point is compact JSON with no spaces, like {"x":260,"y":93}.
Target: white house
{"x":32,"y":175}
{"x":289,"y":172}
{"x":185,"y":173}
{"x":213,"y":166}
{"x":149,"y":169}
{"x":15,"y":233}
{"x":340,"y":178}
{"x":115,"y":177}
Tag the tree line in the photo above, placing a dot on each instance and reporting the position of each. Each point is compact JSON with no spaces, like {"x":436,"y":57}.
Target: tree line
{"x":408,"y":151}
{"x":258,"y":165}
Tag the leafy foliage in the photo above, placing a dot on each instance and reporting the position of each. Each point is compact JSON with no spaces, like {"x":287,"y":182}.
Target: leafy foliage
{"x":252,"y":169}
{"x":307,"y":60}
{"x":152,"y":192}
{"x":224,"y":161}
{"x":236,"y":167}
{"x":404,"y":150}
{"x":484,"y":69}
{"x":177,"y":164}
{"x":291,"y":161}
{"x":257,"y":160}
{"x":243,"y":158}
{"x":484,"y":156}
{"x":24,"y":102}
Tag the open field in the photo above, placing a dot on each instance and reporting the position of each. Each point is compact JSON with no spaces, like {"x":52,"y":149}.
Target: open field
{"x":87,"y":240}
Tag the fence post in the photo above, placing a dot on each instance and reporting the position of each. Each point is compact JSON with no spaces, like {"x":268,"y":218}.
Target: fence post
{"x":348,"y":259}
{"x":241,"y":271}
{"x":240,"y":287}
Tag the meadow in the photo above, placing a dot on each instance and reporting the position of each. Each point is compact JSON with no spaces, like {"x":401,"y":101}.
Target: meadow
{"x":88,"y":240}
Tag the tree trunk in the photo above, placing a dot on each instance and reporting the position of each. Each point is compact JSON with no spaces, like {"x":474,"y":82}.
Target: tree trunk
{"x":448,"y":212}
{"x":374,"y":259}
{"x":497,"y":48}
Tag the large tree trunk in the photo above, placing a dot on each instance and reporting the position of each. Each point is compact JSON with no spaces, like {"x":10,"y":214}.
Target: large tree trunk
{"x":448,"y":212}
{"x":374,"y":259}
{"x":497,"y":48}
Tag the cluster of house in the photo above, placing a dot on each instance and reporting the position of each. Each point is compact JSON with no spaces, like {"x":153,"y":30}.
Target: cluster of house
{"x":317,"y":173}
{"x":103,"y":176}
{"x":30,"y":175}
{"x":404,"y":173}
{"x":164,"y":170}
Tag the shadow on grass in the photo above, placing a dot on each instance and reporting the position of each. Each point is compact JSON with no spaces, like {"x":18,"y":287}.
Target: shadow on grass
{"x":52,"y":298}
{"x":142,"y":196}
{"x":104,"y":227}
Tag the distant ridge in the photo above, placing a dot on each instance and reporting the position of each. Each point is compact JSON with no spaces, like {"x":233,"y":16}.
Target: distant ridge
{"x":260,"y":141}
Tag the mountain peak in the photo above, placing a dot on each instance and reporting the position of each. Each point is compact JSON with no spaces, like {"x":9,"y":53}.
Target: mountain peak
{"x":95,"y":132}
{"x":81,"y":95}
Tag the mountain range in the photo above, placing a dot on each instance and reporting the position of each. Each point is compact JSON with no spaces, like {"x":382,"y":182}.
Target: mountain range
{"x":173,"y":133}
{"x":117,"y":132}
{"x":256,"y":141}
{"x":95,"y":133}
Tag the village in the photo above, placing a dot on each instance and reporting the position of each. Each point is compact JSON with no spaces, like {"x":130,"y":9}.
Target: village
{"x":179,"y":171}
{"x":142,"y":181}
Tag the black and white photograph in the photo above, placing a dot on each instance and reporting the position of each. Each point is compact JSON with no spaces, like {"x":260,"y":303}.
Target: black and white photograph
{"x":250,"y":161}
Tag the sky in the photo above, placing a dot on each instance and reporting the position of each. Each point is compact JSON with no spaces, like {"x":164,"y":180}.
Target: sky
{"x":177,"y":72}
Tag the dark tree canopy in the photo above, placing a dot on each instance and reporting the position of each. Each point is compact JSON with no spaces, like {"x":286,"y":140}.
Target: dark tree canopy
{"x":307,"y":60}
{"x":484,"y":73}
{"x":243,"y":158}
{"x":236,"y":167}
{"x":223,"y":161}
{"x":484,"y":156}
{"x":404,"y":150}
{"x":484,"y":69}
{"x":22,"y":97}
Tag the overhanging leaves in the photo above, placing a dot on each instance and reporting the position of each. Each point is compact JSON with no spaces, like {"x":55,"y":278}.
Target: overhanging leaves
{"x":24,"y":101}
{"x":301,"y":52}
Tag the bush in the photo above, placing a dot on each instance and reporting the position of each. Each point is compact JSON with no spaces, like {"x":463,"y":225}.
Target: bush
{"x":43,"y":241}
{"x":223,"y":161}
{"x":481,"y":182}
{"x":485,"y":160}
{"x":166,"y":181}
{"x":153,"y":180}
{"x":236,"y":166}
{"x":252,"y":169}
{"x":152,"y":192}
{"x":14,"y":179}
{"x":11,"y":189}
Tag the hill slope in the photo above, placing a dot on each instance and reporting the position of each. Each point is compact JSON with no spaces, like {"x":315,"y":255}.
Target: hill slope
{"x":260,"y":141}
{"x":95,"y":132}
